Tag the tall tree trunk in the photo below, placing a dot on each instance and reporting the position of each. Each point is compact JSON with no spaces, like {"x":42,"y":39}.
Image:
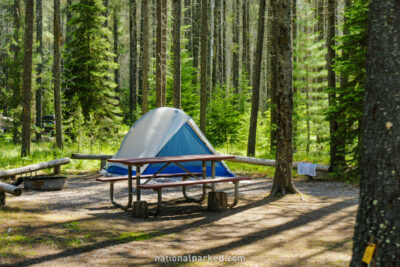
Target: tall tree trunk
{"x":210,"y":45}
{"x":116,"y":52}
{"x":57,"y":72}
{"x":330,"y":42}
{"x":105,"y":4}
{"x":321,"y":10}
{"x":236,"y":47}
{"x":222,"y":61}
{"x":245,"y":39}
{"x":203,"y":65}
{"x":132,"y":60}
{"x":16,"y":74}
{"x":255,"y":99}
{"x":39,"y":67}
{"x":69,"y":16}
{"x":217,"y":34}
{"x":161,"y":54}
{"x":282,"y":183}
{"x":27,"y":80}
{"x":294,"y":36}
{"x":344,"y":79}
{"x":187,"y":21}
{"x":140,"y":67}
{"x":273,"y":77}
{"x":378,"y":218}
{"x":176,"y":49}
{"x":196,"y":20}
{"x":145,"y":55}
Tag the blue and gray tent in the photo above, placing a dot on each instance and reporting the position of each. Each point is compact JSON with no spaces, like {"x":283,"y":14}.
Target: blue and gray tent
{"x":165,"y":132}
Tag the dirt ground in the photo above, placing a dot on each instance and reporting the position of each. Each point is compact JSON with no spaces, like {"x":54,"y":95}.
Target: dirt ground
{"x":78,"y":226}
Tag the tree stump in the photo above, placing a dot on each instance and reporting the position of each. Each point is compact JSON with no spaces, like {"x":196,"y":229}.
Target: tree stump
{"x":140,"y":209}
{"x":2,"y":199}
{"x":217,"y":201}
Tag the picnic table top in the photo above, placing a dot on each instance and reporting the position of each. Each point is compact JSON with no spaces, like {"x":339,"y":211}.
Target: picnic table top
{"x":142,"y":161}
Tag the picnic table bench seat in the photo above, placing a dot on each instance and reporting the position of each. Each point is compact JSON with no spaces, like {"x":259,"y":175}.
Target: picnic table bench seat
{"x":112,"y":179}
{"x":159,"y":186}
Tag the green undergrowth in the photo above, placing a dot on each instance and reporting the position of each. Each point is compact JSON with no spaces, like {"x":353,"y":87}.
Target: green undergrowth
{"x":46,"y":151}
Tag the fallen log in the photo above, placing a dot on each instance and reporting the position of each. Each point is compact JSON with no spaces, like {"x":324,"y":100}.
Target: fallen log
{"x":36,"y":167}
{"x":13,"y":190}
{"x":103,"y":158}
{"x":271,"y":162}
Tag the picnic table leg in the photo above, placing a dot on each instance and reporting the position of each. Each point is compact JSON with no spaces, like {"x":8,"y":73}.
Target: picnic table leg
{"x":159,"y":202}
{"x":204,"y":169}
{"x":127,"y":206}
{"x":235,"y":201}
{"x":213,"y":174}
{"x":190,"y":199}
{"x":137,"y":183}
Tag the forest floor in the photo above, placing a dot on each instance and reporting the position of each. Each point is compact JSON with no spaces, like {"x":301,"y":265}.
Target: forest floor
{"x":79,"y":227}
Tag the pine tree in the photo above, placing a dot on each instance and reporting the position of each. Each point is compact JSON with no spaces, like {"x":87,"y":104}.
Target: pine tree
{"x":87,"y":63}
{"x":310,"y":101}
{"x":348,"y":111}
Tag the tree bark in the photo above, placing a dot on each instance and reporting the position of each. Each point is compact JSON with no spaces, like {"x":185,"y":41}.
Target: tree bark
{"x":116,"y":53}
{"x":132,"y":61}
{"x":215,"y":76}
{"x":282,"y":183}
{"x":255,"y":99}
{"x":161,"y":54}
{"x":57,"y":72}
{"x":294,"y":36}
{"x":27,"y":80}
{"x":196,"y":20}
{"x":245,"y":39}
{"x":203,"y":65}
{"x":378,"y":218}
{"x":16,"y":74}
{"x":145,"y":55}
{"x":176,"y":49}
{"x":105,"y":4}
{"x":223,"y":42}
{"x":39,"y":67}
{"x":273,"y":76}
{"x":187,"y":21}
{"x":330,"y":42}
{"x":236,"y":47}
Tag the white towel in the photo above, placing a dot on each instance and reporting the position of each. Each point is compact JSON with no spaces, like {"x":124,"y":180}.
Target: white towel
{"x":306,"y":169}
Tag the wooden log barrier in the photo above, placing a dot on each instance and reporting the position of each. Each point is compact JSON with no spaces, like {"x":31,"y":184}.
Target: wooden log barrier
{"x":13,"y":190}
{"x":36,"y":167}
{"x":271,"y":162}
{"x":103,"y":158}
{"x":7,"y":188}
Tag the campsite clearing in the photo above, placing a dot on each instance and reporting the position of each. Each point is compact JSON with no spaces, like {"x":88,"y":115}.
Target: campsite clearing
{"x":79,"y":227}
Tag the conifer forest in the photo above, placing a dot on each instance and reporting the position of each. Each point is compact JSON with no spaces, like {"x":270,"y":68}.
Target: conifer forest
{"x":291,"y":81}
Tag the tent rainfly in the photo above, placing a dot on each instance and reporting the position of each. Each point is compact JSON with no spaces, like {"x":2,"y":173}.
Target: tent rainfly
{"x":164,"y":132}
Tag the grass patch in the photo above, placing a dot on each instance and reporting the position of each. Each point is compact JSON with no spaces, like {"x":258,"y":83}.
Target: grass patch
{"x":137,"y":236}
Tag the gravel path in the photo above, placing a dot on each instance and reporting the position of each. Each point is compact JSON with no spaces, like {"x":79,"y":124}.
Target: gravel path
{"x":83,"y":190}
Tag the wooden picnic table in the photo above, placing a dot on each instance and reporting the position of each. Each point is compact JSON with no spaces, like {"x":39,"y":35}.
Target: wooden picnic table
{"x":140,"y":162}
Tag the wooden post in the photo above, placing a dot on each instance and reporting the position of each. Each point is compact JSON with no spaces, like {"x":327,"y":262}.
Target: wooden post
{"x":2,"y":198}
{"x":140,"y":209}
{"x":57,"y":170}
{"x":103,"y":163}
{"x":217,"y":201}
